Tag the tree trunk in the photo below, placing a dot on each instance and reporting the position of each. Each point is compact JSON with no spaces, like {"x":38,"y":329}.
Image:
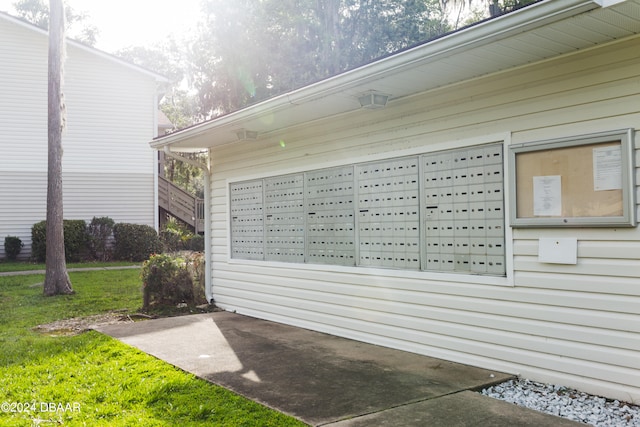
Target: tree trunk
{"x":330,"y":46}
{"x":56,"y":278}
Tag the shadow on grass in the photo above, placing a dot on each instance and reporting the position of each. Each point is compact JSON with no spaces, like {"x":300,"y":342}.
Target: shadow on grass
{"x":113,"y":384}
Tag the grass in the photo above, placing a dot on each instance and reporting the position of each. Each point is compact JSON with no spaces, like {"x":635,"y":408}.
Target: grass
{"x":94,"y":380}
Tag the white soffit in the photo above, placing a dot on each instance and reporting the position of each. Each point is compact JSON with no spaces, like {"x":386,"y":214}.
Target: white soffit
{"x":537,"y":32}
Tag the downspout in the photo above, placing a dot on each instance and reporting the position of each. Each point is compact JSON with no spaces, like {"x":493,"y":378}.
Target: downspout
{"x":161,"y":89}
{"x":208,"y":257}
{"x":156,"y":209}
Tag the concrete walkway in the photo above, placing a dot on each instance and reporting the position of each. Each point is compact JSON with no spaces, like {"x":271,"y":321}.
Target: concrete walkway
{"x":70,"y":270}
{"x":324,"y":380}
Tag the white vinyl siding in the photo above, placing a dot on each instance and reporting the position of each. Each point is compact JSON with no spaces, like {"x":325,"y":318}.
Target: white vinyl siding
{"x":577,"y":325}
{"x":122,"y":197}
{"x":108,"y":166}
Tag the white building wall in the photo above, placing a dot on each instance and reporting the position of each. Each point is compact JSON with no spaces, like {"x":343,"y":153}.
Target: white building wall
{"x":108,"y":166}
{"x":576,"y":325}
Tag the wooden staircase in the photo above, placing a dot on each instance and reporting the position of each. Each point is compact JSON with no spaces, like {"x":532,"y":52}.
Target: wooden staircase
{"x":176,"y":202}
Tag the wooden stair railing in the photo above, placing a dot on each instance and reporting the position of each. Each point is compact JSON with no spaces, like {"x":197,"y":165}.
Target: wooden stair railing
{"x":181,"y":204}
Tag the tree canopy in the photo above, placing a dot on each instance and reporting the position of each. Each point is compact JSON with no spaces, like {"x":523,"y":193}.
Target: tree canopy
{"x":37,"y":12}
{"x":245,"y":51}
{"x":249,"y":50}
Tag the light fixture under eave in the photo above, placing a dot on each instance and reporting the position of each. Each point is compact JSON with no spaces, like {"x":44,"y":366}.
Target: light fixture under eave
{"x":372,"y":100}
{"x":245,"y":135}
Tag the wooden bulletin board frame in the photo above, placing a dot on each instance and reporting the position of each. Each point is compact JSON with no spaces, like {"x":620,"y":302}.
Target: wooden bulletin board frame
{"x":583,"y":181}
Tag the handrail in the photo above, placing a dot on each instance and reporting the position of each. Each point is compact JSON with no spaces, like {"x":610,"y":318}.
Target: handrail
{"x":181,"y":204}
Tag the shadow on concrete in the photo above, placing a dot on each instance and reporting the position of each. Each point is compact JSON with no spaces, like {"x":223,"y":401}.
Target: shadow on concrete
{"x":322,"y":379}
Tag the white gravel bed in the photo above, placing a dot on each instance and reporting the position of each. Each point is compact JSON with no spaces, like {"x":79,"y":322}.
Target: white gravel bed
{"x":566,"y":402}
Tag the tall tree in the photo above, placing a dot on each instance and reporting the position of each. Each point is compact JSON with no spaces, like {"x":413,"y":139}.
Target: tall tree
{"x":480,"y":9}
{"x":56,"y":277}
{"x":250,"y":50}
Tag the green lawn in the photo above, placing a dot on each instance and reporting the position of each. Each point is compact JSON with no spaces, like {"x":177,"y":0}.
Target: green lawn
{"x":94,"y":380}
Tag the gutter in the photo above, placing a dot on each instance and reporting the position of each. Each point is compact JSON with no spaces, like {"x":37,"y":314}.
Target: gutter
{"x":608,"y":3}
{"x":208,"y":256}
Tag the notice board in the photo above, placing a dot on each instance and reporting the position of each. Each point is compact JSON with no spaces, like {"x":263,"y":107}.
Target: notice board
{"x":580,"y":181}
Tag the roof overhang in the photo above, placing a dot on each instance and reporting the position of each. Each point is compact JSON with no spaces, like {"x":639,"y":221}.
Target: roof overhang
{"x":541,"y":31}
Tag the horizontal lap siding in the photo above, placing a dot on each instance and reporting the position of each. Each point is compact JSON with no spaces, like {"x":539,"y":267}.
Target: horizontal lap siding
{"x":124,"y":198}
{"x":573,"y":324}
{"x":22,"y":204}
{"x":110,"y":117}
{"x":23,"y":104}
{"x":108,"y":166}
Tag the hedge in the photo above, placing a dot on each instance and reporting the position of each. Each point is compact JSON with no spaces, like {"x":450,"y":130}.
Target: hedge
{"x":12,"y":247}
{"x":132,"y":242}
{"x":75,"y":240}
{"x":135,"y":242}
{"x":99,"y":232}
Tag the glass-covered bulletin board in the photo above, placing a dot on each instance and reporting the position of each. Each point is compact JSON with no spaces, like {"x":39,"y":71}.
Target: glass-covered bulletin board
{"x":584,"y":181}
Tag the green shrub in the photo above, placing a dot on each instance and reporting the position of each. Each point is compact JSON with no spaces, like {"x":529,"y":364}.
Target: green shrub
{"x":171,"y":240}
{"x":12,"y":247}
{"x":39,"y":241}
{"x":135,"y":242}
{"x":166,"y":281}
{"x":196,"y":243}
{"x":176,"y":236}
{"x":195,"y":265}
{"x":75,"y":240}
{"x":99,"y":232}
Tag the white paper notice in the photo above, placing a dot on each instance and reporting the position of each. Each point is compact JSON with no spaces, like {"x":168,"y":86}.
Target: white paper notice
{"x":547,"y":195}
{"x":607,"y":168}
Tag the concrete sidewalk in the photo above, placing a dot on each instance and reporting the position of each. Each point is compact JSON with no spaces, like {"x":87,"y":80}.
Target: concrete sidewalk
{"x":70,"y":270}
{"x":325,"y":380}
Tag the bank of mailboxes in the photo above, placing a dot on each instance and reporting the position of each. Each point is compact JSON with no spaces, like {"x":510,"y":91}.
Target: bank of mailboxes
{"x":389,"y":213}
{"x":247,"y":220}
{"x":441,"y":211}
{"x":284,"y":218}
{"x":330,"y":216}
{"x":464,"y":210}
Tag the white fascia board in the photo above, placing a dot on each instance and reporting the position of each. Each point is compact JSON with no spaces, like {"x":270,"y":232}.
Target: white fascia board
{"x":534,"y":16}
